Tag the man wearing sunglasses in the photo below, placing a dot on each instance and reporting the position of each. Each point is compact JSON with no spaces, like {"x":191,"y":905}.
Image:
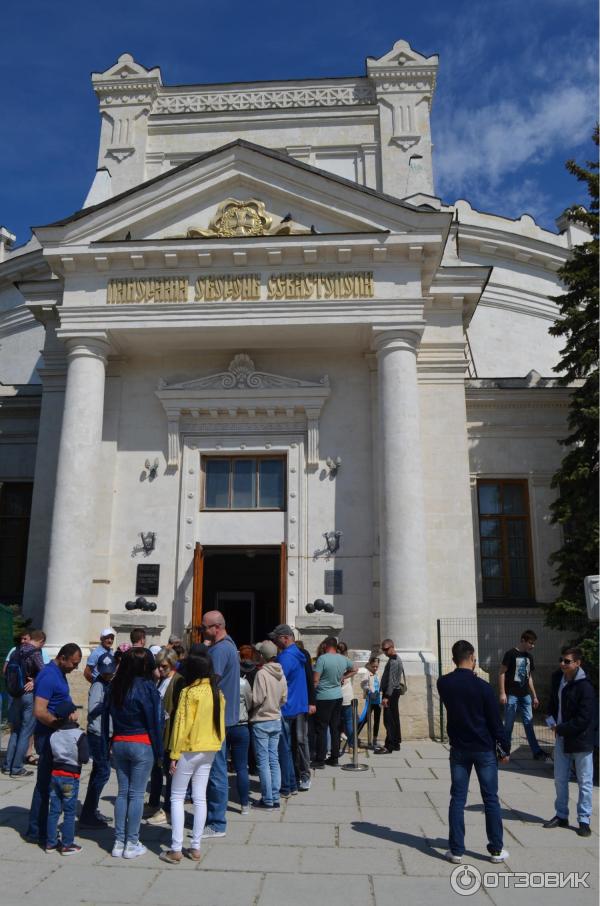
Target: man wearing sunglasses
{"x":572,"y":716}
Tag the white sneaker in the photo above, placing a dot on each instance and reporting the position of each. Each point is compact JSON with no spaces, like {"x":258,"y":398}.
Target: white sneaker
{"x":117,"y":850}
{"x":133,"y":850}
{"x":245,"y":810}
{"x":158,"y":818}
{"x":211,"y":833}
{"x":304,"y":785}
{"x":500,"y":857}
{"x":451,"y":857}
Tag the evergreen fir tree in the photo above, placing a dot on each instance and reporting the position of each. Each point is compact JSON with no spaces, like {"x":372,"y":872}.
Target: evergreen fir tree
{"x":576,"y":507}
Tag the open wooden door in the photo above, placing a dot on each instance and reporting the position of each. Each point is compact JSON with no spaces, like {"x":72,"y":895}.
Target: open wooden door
{"x":282,"y":582}
{"x":197,"y":591}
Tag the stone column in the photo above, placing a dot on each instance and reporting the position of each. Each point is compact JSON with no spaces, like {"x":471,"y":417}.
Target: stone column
{"x":69,"y":587}
{"x":403,"y":555}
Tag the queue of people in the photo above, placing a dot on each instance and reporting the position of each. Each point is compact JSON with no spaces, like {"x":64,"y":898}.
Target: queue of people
{"x":176,"y":721}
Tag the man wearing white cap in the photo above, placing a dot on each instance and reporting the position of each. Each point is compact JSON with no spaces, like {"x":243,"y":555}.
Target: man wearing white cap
{"x":107,"y":637}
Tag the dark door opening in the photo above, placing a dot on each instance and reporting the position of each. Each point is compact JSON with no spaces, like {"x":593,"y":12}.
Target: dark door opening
{"x":245,"y":585}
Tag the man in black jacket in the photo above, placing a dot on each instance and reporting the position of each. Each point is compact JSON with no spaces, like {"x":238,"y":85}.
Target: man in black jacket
{"x":477,"y":737}
{"x":572,"y":714}
{"x":391,"y":682}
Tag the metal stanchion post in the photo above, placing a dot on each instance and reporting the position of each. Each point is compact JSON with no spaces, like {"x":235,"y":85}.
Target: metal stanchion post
{"x":354,"y":765}
{"x":369,"y":725}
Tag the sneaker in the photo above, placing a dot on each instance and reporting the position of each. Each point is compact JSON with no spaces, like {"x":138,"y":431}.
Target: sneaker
{"x":117,"y":850}
{"x":260,"y":803}
{"x":332,"y":762}
{"x":133,"y":850}
{"x":245,"y":810}
{"x":53,"y":848}
{"x":104,"y":818}
{"x":541,"y":756}
{"x":304,"y":785}
{"x":294,"y":792}
{"x":452,"y":857}
{"x":210,"y":833}
{"x":584,"y":829}
{"x":72,"y":850}
{"x":276,"y":805}
{"x":499,"y":856}
{"x":158,"y":818}
{"x":556,"y":822}
{"x":22,"y":773}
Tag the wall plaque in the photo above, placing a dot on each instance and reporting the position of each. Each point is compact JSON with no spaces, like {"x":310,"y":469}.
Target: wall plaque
{"x":146,"y":580}
{"x":334,"y":581}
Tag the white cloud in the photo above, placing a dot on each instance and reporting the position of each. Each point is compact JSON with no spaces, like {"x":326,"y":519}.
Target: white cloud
{"x":483,"y":146}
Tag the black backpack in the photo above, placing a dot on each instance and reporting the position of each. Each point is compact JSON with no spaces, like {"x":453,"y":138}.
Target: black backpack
{"x":15,"y":676}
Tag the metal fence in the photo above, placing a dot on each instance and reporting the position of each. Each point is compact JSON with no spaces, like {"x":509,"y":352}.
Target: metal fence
{"x":492,"y":633}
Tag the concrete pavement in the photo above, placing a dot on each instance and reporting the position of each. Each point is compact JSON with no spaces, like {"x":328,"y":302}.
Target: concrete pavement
{"x":355,"y":839}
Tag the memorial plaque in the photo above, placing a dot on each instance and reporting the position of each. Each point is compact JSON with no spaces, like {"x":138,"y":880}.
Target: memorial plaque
{"x":146,"y":580}
{"x":334,"y":581}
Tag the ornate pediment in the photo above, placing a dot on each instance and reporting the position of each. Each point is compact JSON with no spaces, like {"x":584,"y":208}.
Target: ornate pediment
{"x":241,"y":374}
{"x":239,"y":219}
{"x":247,"y":396}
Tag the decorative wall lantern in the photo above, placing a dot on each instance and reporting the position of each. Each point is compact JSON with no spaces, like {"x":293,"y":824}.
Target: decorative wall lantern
{"x":332,"y":540}
{"x":148,"y":541}
{"x":333,"y":465}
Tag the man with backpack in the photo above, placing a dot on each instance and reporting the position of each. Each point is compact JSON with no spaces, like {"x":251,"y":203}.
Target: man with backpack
{"x":22,"y":668}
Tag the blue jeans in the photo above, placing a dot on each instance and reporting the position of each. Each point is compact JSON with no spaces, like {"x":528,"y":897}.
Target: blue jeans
{"x":22,"y":722}
{"x":286,"y":757}
{"x":38,"y":813}
{"x":133,"y":762}
{"x":486,"y":768}
{"x":347,"y":723}
{"x":584,"y":768}
{"x":521,"y":704}
{"x":266,"y":746}
{"x":63,"y":798}
{"x":217,"y":791}
{"x":98,"y":778}
{"x":238,"y":740}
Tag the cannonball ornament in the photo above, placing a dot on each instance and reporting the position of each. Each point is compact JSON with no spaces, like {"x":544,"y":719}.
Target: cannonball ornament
{"x":319,"y":604}
{"x":310,"y":607}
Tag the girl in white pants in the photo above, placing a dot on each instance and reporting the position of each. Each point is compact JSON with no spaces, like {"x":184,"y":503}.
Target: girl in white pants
{"x":198,"y":733}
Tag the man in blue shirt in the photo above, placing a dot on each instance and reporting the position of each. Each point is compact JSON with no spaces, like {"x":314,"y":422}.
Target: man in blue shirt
{"x":294,"y":753}
{"x":51,"y":689}
{"x":107,"y":638}
{"x":477,"y":738}
{"x":226,"y":664}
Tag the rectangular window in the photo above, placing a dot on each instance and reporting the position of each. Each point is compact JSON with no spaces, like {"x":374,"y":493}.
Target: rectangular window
{"x":504,"y":540}
{"x":244,"y":483}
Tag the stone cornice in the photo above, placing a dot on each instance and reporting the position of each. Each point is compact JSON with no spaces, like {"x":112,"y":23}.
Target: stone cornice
{"x":526,"y":398}
{"x":498,"y":244}
{"x":356,"y":92}
{"x":16,"y":320}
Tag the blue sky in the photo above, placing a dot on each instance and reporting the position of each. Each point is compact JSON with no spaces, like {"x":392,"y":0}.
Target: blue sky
{"x":516,"y":91}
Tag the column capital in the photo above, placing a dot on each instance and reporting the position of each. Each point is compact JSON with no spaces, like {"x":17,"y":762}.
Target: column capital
{"x":93,"y":347}
{"x":387,"y":340}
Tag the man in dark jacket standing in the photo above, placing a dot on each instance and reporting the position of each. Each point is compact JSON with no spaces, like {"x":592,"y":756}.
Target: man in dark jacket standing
{"x":391,"y":682}
{"x":477,"y":736}
{"x":571,"y":714}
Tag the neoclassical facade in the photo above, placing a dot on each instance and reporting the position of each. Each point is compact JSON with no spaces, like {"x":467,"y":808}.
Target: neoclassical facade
{"x":264,"y":364}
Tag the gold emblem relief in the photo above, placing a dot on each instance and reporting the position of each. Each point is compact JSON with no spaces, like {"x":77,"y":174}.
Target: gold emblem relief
{"x":237,"y":219}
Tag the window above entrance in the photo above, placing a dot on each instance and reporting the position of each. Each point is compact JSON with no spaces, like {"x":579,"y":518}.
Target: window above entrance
{"x":244,"y":483}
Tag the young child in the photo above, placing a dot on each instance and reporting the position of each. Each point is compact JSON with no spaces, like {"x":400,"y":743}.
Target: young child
{"x":69,"y":751}
{"x":90,"y":816}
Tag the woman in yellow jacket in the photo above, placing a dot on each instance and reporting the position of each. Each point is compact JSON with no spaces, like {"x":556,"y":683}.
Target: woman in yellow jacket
{"x":198,"y":733}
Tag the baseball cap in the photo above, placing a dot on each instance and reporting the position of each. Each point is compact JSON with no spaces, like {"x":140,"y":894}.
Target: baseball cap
{"x":154,"y":649}
{"x":282,"y":629}
{"x":173,"y":639}
{"x":268,"y":650}
{"x":108,"y":631}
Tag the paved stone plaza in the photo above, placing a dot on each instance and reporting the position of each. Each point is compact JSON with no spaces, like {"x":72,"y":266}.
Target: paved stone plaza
{"x":375,"y":838}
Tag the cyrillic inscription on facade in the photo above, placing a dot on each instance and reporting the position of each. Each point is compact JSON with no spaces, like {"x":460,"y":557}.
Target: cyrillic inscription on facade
{"x":354,"y":285}
{"x":228,"y":288}
{"x":150,"y":289}
{"x":242,"y":287}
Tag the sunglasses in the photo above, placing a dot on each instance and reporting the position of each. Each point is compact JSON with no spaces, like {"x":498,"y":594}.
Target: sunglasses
{"x":565,"y":660}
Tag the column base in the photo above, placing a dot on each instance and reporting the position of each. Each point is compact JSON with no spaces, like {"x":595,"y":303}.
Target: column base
{"x":419,"y":708}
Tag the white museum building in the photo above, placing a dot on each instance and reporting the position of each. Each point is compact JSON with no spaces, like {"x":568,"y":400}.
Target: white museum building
{"x":265,"y":365}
